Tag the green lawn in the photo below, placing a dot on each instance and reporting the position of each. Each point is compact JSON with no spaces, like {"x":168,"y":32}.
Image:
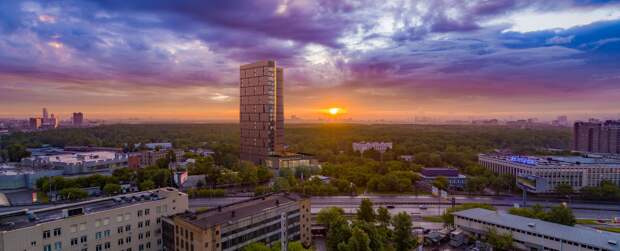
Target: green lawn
{"x":587,"y":222}
{"x":609,"y":229}
{"x":434,"y":218}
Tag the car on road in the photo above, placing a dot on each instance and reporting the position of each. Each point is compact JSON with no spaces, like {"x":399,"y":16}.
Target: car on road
{"x":390,"y":207}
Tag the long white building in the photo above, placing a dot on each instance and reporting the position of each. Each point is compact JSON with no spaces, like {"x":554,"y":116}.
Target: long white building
{"x":535,"y":235}
{"x":544,"y":173}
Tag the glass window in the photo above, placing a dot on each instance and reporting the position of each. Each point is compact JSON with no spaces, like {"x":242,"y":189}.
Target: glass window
{"x":58,"y":245}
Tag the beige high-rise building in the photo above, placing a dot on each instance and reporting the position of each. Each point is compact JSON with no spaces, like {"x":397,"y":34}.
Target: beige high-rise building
{"x":261,"y":109}
{"x":130,"y":222}
{"x":267,"y":219}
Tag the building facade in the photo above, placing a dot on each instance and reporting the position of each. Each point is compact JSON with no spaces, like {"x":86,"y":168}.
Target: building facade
{"x":77,"y":119}
{"x":265,"y":219}
{"x":78,"y":162}
{"x":455,"y":179}
{"x":261,"y":110}
{"x":549,"y":171}
{"x":597,"y":137}
{"x":130,"y":222}
{"x":533,"y":234}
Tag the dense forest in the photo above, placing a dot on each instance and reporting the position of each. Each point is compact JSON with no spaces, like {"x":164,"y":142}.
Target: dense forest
{"x":326,"y":141}
{"x":432,"y":146}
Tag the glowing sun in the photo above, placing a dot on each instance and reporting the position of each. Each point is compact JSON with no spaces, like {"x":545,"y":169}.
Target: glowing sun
{"x":335,"y":111}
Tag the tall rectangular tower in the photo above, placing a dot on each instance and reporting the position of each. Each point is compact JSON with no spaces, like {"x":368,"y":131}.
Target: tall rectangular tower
{"x":261,"y":110}
{"x":586,"y":136}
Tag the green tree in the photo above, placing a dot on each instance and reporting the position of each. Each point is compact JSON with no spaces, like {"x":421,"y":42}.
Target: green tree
{"x":561,"y":215}
{"x":536,"y":211}
{"x":441,"y":182}
{"x":448,"y":218}
{"x":16,"y":152}
{"x":359,"y":241}
{"x":402,"y":238}
{"x":338,"y":229}
{"x":475,"y":184}
{"x":111,"y":189}
{"x":366,"y":212}
{"x":257,"y":246}
{"x":383,"y":216}
{"x":499,"y":241}
{"x":564,"y":189}
{"x":124,"y":174}
{"x":146,"y":185}
{"x":72,"y":193}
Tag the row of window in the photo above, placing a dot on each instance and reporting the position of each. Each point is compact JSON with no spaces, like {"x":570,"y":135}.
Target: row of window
{"x":551,"y":238}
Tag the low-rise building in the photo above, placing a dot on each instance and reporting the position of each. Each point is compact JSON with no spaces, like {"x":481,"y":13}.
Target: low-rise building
{"x":124,"y":223}
{"x":290,"y":160}
{"x":455,"y":179}
{"x":544,"y":173}
{"x":79,"y":162}
{"x":533,"y":234}
{"x":265,"y":219}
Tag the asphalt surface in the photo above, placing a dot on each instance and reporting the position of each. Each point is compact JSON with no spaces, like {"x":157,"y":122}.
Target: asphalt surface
{"x":417,"y":206}
{"x":424,"y":205}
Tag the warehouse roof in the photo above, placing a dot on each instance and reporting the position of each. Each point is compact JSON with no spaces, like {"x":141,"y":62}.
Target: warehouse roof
{"x":600,"y":239}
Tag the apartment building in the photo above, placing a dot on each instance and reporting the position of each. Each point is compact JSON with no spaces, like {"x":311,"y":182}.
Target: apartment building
{"x":533,"y":234}
{"x":130,"y":222}
{"x":265,"y":219}
{"x":261,"y":110}
{"x":597,"y":137}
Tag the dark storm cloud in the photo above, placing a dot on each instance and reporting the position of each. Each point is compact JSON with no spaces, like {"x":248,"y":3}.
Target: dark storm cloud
{"x":446,"y":47}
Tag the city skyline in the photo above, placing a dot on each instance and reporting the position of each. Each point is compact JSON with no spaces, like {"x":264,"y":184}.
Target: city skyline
{"x":157,"y":60}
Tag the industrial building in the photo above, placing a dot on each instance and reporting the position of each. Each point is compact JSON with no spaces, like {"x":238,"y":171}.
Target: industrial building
{"x":455,"y":179}
{"x":541,"y":174}
{"x":265,"y":219}
{"x":533,"y":234}
{"x":130,"y":222}
{"x":78,"y":162}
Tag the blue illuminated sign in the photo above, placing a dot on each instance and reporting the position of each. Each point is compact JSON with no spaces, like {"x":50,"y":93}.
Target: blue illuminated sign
{"x":523,"y":160}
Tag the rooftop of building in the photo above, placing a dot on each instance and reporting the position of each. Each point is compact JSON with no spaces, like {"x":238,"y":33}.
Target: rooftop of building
{"x":554,"y":161}
{"x":590,"y":237}
{"x":71,"y":158}
{"x":25,"y":218}
{"x":238,"y":210}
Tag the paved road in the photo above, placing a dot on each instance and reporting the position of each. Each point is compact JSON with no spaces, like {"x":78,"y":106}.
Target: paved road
{"x":428,"y":205}
{"x":415,"y":205}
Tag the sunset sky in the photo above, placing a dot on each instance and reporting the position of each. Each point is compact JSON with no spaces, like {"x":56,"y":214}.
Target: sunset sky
{"x":392,"y":60}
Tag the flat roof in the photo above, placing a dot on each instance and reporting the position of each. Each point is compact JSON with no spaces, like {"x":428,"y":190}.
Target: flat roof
{"x":589,"y":237}
{"x":24,"y":218}
{"x":81,"y":157}
{"x":557,"y":161}
{"x":242,"y":209}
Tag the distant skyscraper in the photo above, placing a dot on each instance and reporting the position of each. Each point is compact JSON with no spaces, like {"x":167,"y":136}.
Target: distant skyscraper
{"x":261,"y":110}
{"x":597,"y":137}
{"x":45,"y":115}
{"x":78,"y":119}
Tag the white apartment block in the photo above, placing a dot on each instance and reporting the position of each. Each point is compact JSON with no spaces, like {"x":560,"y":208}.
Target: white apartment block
{"x":130,"y":222}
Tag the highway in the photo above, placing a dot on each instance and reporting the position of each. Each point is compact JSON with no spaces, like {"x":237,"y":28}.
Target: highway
{"x":416,"y":206}
{"x":424,"y":205}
